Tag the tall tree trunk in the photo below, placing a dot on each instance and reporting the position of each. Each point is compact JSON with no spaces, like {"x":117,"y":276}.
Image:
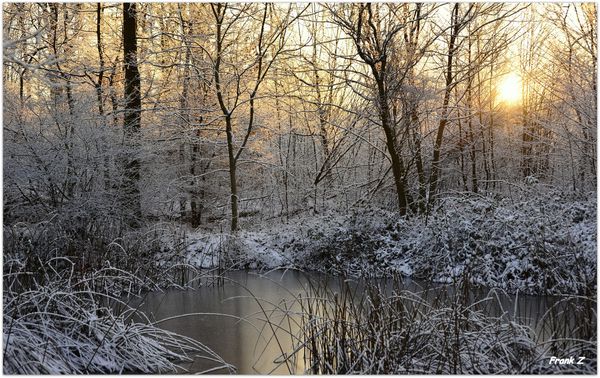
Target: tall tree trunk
{"x":526,"y":147}
{"x":132,"y":115}
{"x":100,"y":59}
{"x":490,"y":168}
{"x":461,"y":151}
{"x":219,"y":12}
{"x":262,"y":67}
{"x":482,"y":136}
{"x":390,"y":137}
{"x":63,"y":77}
{"x":232,"y":174}
{"x":185,"y":122}
{"x":418,"y":159}
{"x":435,"y":169}
{"x":411,"y":37}
{"x":470,"y":133}
{"x":99,"y":90}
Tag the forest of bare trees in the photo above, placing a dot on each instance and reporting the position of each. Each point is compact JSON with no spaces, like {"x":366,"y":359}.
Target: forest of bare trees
{"x":435,"y":140}
{"x":205,"y":113}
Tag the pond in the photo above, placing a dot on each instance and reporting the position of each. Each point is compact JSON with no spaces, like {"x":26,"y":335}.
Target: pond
{"x":244,"y":317}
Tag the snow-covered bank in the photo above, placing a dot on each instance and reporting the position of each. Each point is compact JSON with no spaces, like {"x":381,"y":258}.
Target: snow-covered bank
{"x":545,"y":245}
{"x":68,"y":325}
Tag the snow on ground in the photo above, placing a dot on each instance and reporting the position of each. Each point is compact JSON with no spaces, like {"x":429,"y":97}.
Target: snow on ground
{"x":544,"y":245}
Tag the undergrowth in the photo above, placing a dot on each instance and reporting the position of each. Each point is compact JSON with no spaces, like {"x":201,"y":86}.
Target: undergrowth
{"x":536,"y":245}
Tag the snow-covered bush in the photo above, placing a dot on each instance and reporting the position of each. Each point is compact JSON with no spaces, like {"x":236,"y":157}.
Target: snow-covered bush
{"x":545,"y":245}
{"x":349,"y":244}
{"x":533,"y":244}
{"x":541,"y":245}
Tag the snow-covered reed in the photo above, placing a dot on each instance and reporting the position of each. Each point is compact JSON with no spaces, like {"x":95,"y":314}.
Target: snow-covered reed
{"x":370,"y":329}
{"x":58,"y":323}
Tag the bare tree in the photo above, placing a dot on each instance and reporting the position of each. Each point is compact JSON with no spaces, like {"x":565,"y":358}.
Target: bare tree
{"x":230,"y":80}
{"x":375,"y":30}
{"x":458,"y":22}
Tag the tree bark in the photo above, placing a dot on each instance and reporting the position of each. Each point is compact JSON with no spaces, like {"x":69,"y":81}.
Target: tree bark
{"x":100,"y":59}
{"x":219,"y":13}
{"x":132,"y":115}
{"x":390,"y":138}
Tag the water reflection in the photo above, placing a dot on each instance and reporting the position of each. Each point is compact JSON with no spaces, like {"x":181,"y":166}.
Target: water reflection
{"x":245,"y":318}
{"x":244,"y":339}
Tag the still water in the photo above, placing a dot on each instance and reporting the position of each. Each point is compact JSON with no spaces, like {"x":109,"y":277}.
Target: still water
{"x":243,"y":319}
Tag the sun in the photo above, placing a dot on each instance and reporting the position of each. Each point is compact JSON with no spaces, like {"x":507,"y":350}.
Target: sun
{"x":509,"y":89}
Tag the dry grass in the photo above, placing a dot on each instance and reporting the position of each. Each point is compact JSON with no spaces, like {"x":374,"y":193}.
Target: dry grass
{"x":69,"y":325}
